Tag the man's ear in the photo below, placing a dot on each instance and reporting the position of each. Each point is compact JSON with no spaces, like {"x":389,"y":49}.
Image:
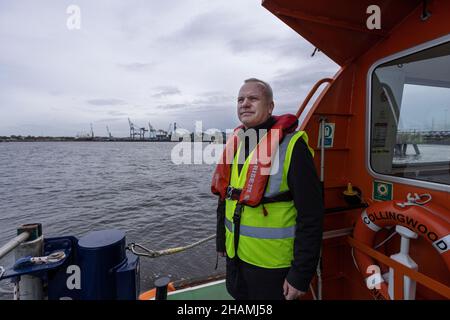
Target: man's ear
{"x":272,"y":105}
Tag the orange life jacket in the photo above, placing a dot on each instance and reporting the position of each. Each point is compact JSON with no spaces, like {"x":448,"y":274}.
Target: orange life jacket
{"x":257,"y":176}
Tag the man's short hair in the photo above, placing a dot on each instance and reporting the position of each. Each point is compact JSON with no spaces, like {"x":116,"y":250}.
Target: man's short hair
{"x":267,"y":88}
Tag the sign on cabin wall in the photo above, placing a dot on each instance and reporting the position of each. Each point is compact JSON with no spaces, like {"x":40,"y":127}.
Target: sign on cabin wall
{"x":382,"y":191}
{"x":329,"y":135}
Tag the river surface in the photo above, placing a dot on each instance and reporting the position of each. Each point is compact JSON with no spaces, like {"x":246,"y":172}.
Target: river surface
{"x":73,"y":188}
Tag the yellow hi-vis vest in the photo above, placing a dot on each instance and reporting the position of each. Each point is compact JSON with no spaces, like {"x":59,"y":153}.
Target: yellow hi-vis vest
{"x":265,"y":240}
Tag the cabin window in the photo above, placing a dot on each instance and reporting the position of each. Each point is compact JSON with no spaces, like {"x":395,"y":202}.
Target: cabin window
{"x":410,"y":116}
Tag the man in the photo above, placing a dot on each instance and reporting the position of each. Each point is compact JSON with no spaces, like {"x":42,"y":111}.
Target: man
{"x":268,"y":226}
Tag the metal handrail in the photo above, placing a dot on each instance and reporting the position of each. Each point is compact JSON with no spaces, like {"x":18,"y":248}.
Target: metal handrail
{"x":311,"y":93}
{"x":400,"y":271}
{"x":13,"y":243}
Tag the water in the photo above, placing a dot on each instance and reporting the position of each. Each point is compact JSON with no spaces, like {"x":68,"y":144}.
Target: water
{"x":428,"y":153}
{"x":76,"y":187}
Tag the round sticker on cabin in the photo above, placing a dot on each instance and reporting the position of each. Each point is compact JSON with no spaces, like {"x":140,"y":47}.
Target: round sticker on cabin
{"x":382,"y":189}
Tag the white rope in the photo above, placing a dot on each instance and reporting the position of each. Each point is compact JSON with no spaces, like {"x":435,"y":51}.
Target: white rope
{"x":425,"y":201}
{"x":415,"y":200}
{"x":376,"y":247}
{"x":29,"y":261}
{"x":312,"y":292}
{"x":385,"y":240}
{"x":158,"y":253}
{"x":354,"y":260}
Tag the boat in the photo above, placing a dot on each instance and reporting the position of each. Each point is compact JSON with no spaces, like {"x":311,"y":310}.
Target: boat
{"x":387,"y":211}
{"x":359,"y":110}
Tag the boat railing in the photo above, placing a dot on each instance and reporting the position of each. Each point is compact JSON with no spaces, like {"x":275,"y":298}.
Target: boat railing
{"x":311,"y":93}
{"x":13,"y":243}
{"x":400,"y":271}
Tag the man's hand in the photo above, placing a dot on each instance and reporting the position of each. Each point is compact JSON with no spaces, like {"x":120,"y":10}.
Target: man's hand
{"x":222,"y":254}
{"x":290,"y":293}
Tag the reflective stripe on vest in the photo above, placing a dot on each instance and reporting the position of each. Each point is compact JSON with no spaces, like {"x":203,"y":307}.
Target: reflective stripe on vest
{"x":262,"y":232}
{"x":274,"y":186}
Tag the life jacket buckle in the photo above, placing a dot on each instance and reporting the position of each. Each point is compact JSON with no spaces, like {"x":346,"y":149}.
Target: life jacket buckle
{"x":230,"y":190}
{"x":232,"y":193}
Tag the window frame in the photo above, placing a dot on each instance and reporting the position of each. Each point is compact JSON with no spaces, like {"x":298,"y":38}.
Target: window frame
{"x":385,"y":177}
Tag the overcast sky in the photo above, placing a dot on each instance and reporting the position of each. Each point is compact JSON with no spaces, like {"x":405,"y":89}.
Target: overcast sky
{"x":149,"y":60}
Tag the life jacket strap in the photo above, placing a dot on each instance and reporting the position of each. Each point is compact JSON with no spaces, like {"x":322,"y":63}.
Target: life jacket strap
{"x":237,"y":227}
{"x":234,"y":194}
{"x":283,"y":196}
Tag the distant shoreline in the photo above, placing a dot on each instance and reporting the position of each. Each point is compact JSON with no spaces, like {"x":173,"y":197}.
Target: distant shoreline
{"x":80,"y":140}
{"x":162,"y":138}
{"x":430,"y":141}
{"x":74,"y":139}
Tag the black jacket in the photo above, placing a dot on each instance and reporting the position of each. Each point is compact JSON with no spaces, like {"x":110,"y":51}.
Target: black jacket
{"x":306,"y":191}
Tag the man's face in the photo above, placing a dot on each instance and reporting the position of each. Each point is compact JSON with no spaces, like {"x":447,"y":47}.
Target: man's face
{"x":253,"y":107}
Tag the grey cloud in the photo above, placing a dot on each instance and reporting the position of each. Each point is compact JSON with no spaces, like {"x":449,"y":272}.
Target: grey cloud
{"x":291,"y":48}
{"x":244,"y":40}
{"x":246,"y":44}
{"x":208,"y":101}
{"x":212,"y":109}
{"x":214,"y":99}
{"x":203,"y":27}
{"x":286,"y":47}
{"x":117,"y":113}
{"x":197,"y":105}
{"x":166,"y":91}
{"x":107,"y":120}
{"x":136,"y":66}
{"x":106,"y":102}
{"x":172,"y":106}
{"x":56,"y":92}
{"x":213,"y":93}
{"x":303,"y":77}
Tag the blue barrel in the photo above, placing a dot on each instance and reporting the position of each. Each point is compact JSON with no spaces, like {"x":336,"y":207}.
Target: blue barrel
{"x":100,"y":254}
